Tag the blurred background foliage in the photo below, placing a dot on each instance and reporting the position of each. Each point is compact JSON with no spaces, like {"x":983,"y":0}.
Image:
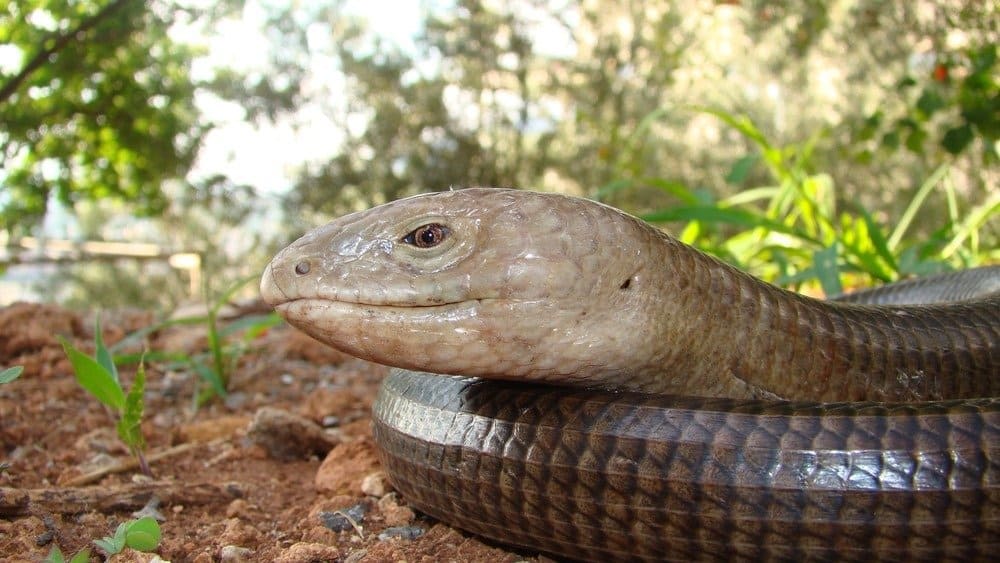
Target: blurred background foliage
{"x":836,"y":143}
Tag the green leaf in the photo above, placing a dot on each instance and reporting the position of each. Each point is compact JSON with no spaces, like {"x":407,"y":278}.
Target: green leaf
{"x":138,"y":335}
{"x":228,"y":293}
{"x":741,"y":123}
{"x":10,"y":374}
{"x":55,"y":555}
{"x":929,"y":102}
{"x":915,"y":140}
{"x":253,"y":324}
{"x":891,"y":140}
{"x":211,"y":377}
{"x":107,"y":545}
{"x":116,"y":543}
{"x":611,"y":187}
{"x":101,"y":353}
{"x":94,"y":378}
{"x":825,"y":266}
{"x":914,"y":205}
{"x":957,"y":138}
{"x":878,"y":238}
{"x":143,"y":534}
{"x":678,"y":190}
{"x":741,"y":169}
{"x":974,"y":220}
{"x":731,"y":216}
{"x":130,"y":424}
{"x":82,"y":556}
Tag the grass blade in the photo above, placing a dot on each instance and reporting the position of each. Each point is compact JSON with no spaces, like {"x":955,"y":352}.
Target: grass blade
{"x":877,"y":238}
{"x":212,"y":378}
{"x":914,"y":205}
{"x":974,"y":221}
{"x":101,"y":353}
{"x":731,"y":216}
{"x":825,"y":267}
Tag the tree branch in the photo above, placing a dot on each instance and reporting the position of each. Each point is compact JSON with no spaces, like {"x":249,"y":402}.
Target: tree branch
{"x":55,"y":45}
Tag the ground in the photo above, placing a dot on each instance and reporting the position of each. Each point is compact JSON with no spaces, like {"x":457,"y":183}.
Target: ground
{"x":260,"y":476}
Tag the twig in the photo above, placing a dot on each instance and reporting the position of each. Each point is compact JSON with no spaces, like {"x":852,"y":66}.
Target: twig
{"x":131,"y":463}
{"x":120,"y":498}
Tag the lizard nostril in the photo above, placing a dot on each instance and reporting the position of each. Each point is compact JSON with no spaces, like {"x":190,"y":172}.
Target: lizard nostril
{"x":302,"y":268}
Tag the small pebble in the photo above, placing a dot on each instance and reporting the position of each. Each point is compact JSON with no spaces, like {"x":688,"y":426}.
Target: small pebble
{"x":340,"y":520}
{"x":403,"y":532}
{"x":393,"y":513}
{"x":235,"y":400}
{"x":236,"y":490}
{"x":152,"y":509}
{"x":45,"y":538}
{"x":374,"y":484}
{"x":305,"y":552}
{"x":237,"y":509}
{"x":288,"y":436}
{"x":234,"y":554}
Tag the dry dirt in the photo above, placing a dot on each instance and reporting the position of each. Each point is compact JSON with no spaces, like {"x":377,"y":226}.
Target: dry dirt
{"x":226,"y":493}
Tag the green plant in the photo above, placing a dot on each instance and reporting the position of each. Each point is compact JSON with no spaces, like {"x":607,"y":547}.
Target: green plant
{"x":56,"y":556}
{"x":99,"y":376}
{"x":10,"y":374}
{"x":793,"y":232}
{"x":141,"y":535}
{"x":215,"y":365}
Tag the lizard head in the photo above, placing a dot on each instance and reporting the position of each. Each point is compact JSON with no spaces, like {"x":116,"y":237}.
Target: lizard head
{"x":490,"y":282}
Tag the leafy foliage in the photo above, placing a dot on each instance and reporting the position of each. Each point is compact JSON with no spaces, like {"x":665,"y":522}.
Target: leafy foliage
{"x":798,"y":230}
{"x":99,"y":376}
{"x":485,"y":99}
{"x":956,"y":103}
{"x":100,"y":107}
{"x":226,"y":342}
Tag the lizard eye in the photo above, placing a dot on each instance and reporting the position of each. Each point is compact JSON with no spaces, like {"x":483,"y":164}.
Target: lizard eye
{"x":427,"y":236}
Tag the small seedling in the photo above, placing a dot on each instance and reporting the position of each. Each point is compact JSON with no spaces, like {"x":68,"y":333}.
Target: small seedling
{"x":141,"y":535}
{"x":214,"y":366}
{"x":223,"y":357}
{"x":99,"y":376}
{"x":56,"y":556}
{"x":10,"y":374}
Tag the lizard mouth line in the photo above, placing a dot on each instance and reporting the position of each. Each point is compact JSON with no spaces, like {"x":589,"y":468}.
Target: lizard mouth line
{"x":341,"y":303}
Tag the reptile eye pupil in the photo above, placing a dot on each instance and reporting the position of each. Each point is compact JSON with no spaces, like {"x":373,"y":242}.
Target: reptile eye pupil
{"x":427,"y":236}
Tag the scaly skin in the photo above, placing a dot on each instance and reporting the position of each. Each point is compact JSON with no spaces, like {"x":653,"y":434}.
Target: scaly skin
{"x":542,"y":287}
{"x":549,"y":288}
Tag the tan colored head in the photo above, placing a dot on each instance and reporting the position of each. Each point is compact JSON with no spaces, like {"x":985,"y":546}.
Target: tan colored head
{"x":489,"y":282}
